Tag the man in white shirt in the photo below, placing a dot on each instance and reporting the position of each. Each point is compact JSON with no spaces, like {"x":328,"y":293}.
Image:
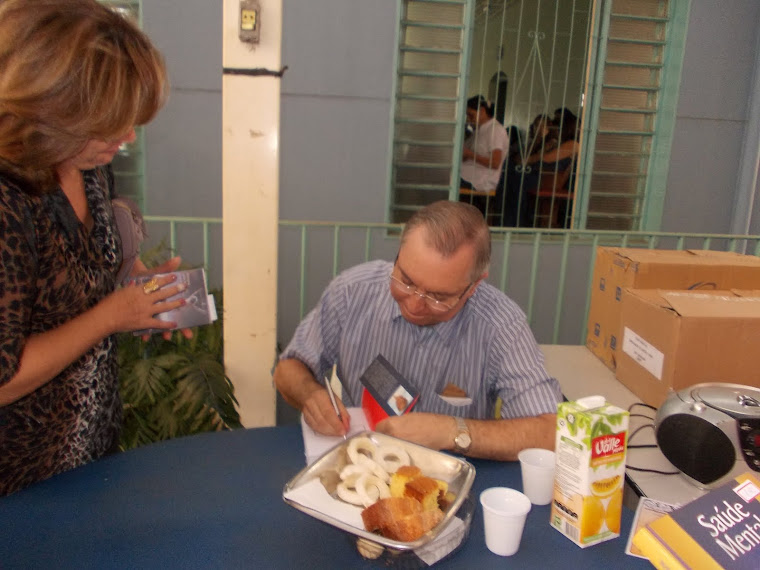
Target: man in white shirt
{"x":484,"y":151}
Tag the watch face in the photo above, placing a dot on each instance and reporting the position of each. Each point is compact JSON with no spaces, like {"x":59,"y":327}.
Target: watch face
{"x":463,"y":440}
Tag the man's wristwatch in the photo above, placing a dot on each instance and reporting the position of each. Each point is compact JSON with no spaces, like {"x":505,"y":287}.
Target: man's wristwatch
{"x":462,"y":441}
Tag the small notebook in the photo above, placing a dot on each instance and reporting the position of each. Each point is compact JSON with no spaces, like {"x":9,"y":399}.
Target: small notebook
{"x":315,"y":444}
{"x":386,"y":392}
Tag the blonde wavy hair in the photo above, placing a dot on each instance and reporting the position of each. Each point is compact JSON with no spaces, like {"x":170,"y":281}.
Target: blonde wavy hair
{"x":70,"y":71}
{"x":449,"y":226}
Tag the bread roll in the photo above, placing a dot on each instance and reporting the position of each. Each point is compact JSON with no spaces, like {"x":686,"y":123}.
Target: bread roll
{"x":400,"y":518}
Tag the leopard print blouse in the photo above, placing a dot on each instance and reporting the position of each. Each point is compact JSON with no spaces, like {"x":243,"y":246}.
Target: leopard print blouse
{"x":52,"y":269}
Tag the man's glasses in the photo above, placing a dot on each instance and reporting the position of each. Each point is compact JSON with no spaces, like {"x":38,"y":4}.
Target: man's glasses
{"x":438,"y":305}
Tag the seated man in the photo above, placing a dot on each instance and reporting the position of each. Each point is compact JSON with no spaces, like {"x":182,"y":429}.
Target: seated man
{"x":484,"y":151}
{"x":431,"y":315}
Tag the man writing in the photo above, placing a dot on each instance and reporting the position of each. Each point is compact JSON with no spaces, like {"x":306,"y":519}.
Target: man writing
{"x":431,"y":315}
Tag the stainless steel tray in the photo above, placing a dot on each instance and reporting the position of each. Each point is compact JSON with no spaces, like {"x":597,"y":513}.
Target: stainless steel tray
{"x":458,"y":473}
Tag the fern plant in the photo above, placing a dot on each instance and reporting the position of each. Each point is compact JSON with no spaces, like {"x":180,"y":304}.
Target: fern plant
{"x":176,"y":387}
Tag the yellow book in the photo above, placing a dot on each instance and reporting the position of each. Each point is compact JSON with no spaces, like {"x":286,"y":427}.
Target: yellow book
{"x":719,"y":530}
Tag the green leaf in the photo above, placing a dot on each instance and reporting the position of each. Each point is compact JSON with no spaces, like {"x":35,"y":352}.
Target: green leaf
{"x":176,"y":387}
{"x":600,"y":428}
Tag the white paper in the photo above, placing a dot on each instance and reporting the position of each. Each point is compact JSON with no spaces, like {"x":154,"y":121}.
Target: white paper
{"x":315,"y":444}
{"x":314,"y":496}
{"x":643,"y":352}
{"x":647,"y":511}
{"x":212,"y":308}
{"x":444,"y":543}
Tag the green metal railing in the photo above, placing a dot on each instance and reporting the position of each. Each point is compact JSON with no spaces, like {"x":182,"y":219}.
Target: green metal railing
{"x":539,"y":268}
{"x":173,"y":221}
{"x":547,"y":272}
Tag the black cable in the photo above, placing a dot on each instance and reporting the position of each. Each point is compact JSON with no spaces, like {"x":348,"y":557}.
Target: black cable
{"x":652,"y":470}
{"x":641,"y":416}
{"x":641,"y":404}
{"x":638,"y":429}
{"x":646,"y":445}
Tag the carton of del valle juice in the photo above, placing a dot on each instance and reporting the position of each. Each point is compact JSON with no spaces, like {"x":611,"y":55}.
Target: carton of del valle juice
{"x":588,"y":485}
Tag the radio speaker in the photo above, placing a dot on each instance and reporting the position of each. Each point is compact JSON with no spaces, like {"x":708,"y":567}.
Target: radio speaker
{"x":696,"y":447}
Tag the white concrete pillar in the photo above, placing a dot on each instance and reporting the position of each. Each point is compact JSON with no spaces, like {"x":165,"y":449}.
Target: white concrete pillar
{"x":250,"y":167}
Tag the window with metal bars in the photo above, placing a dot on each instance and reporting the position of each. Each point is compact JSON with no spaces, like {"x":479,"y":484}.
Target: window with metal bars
{"x":613,"y":64}
{"x":428,"y":115}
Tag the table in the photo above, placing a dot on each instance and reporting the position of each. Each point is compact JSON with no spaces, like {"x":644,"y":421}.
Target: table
{"x":215,"y":501}
{"x":580,"y":374}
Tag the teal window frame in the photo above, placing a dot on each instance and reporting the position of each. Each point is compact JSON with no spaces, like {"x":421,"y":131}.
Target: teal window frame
{"x":651,"y":210}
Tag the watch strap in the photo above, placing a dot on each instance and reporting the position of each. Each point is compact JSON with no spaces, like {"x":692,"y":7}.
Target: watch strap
{"x":463,"y":440}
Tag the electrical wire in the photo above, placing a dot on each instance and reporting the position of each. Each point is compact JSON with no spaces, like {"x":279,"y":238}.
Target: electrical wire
{"x":641,"y":416}
{"x":641,"y":404}
{"x":638,"y":429}
{"x":652,"y":470}
{"x":645,"y":446}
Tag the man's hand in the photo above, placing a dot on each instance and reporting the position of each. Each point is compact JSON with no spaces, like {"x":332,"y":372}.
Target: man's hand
{"x":320,"y":416}
{"x":431,"y":430}
{"x":300,"y":389}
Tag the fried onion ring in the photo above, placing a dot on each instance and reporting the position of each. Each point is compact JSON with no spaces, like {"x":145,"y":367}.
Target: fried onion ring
{"x":365,"y":478}
{"x":373,"y":466}
{"x":350,"y":473}
{"x":358,"y":445}
{"x":391,"y":457}
{"x":370,"y":488}
{"x":349,"y":495}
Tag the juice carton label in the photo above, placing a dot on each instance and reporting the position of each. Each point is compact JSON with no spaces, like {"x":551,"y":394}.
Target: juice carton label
{"x":588,"y":488}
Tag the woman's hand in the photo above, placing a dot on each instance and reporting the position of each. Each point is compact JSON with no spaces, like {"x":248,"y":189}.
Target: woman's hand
{"x":168,"y":266}
{"x":135,"y":306}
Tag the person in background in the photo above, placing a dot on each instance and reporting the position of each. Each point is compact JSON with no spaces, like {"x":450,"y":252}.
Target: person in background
{"x":569,"y":132}
{"x":561,"y":154}
{"x":541,"y":137}
{"x":75,"y":78}
{"x":484,"y":151}
{"x":567,"y":123}
{"x":459,"y":341}
{"x":550,"y":164}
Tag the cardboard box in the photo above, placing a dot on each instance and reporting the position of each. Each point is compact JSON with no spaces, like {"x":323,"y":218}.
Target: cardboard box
{"x":675,"y":339}
{"x":619,"y":268}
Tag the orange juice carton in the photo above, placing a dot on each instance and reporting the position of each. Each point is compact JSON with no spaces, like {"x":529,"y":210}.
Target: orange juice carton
{"x":591,"y":443}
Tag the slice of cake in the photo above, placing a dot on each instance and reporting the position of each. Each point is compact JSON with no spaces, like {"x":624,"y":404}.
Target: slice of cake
{"x":401,"y":477}
{"x":425,"y":490}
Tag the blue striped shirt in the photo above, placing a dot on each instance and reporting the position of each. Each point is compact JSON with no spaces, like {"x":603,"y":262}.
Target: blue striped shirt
{"x":487,"y":349}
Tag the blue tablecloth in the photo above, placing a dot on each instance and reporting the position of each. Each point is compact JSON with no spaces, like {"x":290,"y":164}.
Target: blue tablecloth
{"x":215,"y":501}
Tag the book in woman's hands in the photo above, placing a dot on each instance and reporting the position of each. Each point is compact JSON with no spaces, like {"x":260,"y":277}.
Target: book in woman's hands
{"x":199,"y":308}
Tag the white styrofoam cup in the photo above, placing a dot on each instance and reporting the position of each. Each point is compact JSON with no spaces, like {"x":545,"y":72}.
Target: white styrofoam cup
{"x":537,"y":466}
{"x":504,"y":513}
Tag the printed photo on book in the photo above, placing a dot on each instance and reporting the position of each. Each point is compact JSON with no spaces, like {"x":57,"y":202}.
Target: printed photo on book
{"x":199,"y":308}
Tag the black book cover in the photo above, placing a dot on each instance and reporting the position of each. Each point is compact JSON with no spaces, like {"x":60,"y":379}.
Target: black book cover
{"x":392,"y":392}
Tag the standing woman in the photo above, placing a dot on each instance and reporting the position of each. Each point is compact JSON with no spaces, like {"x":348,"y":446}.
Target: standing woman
{"x":75,"y":78}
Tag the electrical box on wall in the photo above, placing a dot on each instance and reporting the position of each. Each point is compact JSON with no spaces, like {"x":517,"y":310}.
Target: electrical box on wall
{"x":250,"y":21}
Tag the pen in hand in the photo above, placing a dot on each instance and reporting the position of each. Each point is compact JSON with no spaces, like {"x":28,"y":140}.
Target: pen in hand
{"x":334,"y":403}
